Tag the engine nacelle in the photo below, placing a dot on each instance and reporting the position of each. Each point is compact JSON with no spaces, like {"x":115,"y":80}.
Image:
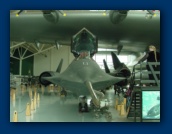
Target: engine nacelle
{"x":123,"y":71}
{"x":46,"y":74}
{"x":51,"y":15}
{"x":117,"y":16}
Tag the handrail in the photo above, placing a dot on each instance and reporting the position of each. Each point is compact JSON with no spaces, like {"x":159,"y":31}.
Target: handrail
{"x":152,"y":71}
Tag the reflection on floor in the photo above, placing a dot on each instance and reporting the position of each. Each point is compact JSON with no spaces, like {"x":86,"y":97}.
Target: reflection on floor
{"x":52,"y":108}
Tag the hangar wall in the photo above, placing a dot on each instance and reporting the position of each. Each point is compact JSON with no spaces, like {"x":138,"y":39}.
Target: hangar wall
{"x":50,"y":63}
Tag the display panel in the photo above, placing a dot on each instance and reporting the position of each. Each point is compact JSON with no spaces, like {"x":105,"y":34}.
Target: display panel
{"x":150,"y":104}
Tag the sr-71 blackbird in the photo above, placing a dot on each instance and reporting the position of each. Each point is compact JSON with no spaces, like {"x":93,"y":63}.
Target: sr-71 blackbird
{"x":121,"y":70}
{"x":83,"y":76}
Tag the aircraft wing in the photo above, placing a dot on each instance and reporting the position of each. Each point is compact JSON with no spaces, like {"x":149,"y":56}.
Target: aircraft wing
{"x":72,"y":82}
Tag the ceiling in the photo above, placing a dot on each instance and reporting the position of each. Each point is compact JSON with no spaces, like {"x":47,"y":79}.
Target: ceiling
{"x":51,"y":27}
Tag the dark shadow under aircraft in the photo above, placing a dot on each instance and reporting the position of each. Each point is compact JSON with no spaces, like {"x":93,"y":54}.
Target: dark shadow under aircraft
{"x":83,"y":75}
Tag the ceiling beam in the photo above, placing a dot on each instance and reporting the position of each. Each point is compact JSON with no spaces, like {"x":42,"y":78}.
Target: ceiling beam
{"x":15,"y":57}
{"x":17,"y":45}
{"x":39,"y":52}
{"x":25,"y":52}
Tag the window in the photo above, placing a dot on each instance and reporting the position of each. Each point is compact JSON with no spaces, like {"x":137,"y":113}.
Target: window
{"x":123,"y":59}
{"x":100,"y":57}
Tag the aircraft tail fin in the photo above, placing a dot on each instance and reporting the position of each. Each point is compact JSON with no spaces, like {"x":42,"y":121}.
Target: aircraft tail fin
{"x":59,"y":66}
{"x":116,"y":61}
{"x":120,"y":68}
{"x":106,"y":66}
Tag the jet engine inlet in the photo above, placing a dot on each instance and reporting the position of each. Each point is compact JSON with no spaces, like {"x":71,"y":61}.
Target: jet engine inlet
{"x":42,"y":81}
{"x":117,"y":16}
{"x":51,"y":15}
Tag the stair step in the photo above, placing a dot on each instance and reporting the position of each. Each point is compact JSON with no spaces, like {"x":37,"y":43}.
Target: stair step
{"x":132,"y":115}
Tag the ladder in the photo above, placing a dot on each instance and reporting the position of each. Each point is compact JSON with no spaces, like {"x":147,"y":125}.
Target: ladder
{"x":134,"y":107}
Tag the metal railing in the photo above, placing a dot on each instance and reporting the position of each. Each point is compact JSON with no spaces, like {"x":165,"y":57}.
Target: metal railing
{"x":141,"y":70}
{"x":137,"y":89}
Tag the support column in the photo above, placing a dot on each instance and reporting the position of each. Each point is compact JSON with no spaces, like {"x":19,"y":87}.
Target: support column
{"x":20,"y":71}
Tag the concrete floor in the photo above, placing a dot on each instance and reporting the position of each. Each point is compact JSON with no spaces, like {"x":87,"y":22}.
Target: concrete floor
{"x":53,"y":108}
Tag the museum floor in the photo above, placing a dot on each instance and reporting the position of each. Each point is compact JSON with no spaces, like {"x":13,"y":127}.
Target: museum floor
{"x":51,"y":107}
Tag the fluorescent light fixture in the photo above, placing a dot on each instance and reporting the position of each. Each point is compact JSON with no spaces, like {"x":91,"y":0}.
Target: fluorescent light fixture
{"x":104,"y":14}
{"x":57,"y":45}
{"x":104,"y":49}
{"x":17,"y":14}
{"x":37,"y":44}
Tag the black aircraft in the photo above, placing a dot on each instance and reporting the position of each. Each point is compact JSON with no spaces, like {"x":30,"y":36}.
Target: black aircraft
{"x":121,"y":70}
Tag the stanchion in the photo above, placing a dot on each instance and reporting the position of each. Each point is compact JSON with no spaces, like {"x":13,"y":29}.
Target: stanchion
{"x":15,"y":117}
{"x":122,"y":111}
{"x":118,"y":107}
{"x":28,"y":110}
{"x":34,"y":101}
{"x":14,"y":96}
{"x":30,"y":93}
{"x":116,"y":103}
{"x":38,"y":98}
{"x":32,"y":105}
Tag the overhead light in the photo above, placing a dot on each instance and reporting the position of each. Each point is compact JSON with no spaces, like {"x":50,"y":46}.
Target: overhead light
{"x":104,"y":49}
{"x":104,"y":14}
{"x":37,"y":44}
{"x":148,"y":16}
{"x":151,"y":12}
{"x":17,"y":14}
{"x":51,"y":16}
{"x":117,"y":16}
{"x":154,"y":15}
{"x":57,"y":45}
{"x":64,"y":14}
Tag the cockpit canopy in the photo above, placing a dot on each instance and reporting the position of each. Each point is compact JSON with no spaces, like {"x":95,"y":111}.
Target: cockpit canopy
{"x":84,"y":41}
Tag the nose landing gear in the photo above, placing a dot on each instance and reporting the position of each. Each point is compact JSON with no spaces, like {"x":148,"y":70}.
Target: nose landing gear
{"x":100,"y":111}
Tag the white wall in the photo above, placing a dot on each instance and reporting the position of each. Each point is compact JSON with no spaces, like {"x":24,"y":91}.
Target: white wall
{"x":50,"y":63}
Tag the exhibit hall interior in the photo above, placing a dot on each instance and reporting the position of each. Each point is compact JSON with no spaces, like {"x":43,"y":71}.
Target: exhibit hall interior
{"x":84,"y":66}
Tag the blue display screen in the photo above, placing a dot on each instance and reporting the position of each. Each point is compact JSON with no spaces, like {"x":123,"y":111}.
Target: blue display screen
{"x":150,"y":104}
